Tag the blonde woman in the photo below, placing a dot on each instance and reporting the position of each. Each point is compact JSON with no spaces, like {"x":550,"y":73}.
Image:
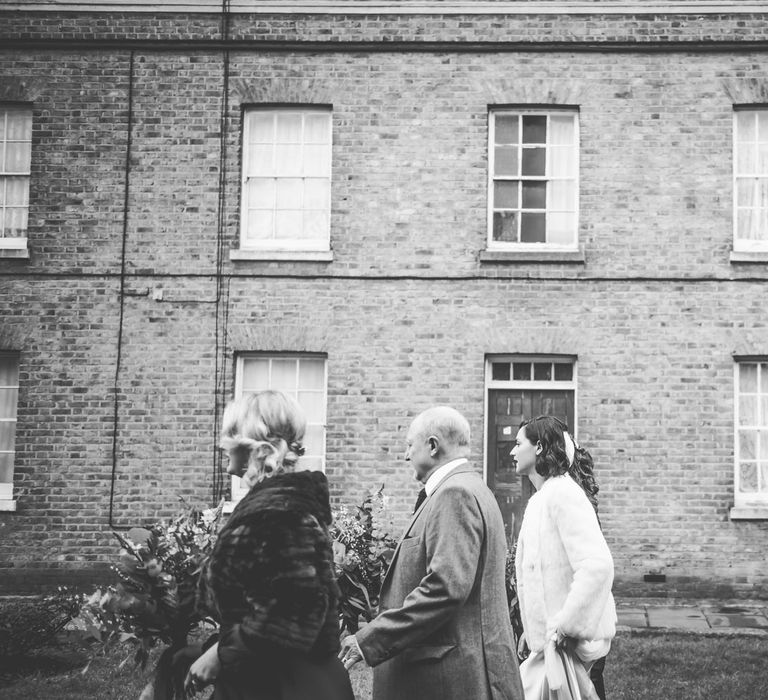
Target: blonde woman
{"x":270,"y":578}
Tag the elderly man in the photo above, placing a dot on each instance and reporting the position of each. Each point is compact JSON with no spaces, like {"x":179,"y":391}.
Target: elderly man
{"x":443,"y":631}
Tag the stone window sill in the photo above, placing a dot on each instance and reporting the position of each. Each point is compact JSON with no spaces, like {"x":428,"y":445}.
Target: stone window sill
{"x":749,"y":512}
{"x":284,"y":255}
{"x":533,"y":256}
{"x":749,"y":256}
{"x":14,"y":248}
{"x":7,"y":505}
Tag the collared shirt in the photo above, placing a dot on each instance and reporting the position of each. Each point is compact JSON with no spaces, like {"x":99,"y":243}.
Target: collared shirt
{"x":440,"y":473}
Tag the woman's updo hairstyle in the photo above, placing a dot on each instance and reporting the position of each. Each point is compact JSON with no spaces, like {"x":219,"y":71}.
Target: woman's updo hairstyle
{"x":270,"y":425}
{"x":549,"y":432}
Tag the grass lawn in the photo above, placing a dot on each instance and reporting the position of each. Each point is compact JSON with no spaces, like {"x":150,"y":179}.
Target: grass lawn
{"x":664,"y":667}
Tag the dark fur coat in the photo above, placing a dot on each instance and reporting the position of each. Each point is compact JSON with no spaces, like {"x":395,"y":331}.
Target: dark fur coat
{"x":271,"y":576}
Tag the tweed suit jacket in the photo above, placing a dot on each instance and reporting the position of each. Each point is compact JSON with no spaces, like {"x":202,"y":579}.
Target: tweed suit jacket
{"x":443,"y":630}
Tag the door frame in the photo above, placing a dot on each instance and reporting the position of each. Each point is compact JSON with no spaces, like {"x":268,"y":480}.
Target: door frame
{"x":520,"y":384}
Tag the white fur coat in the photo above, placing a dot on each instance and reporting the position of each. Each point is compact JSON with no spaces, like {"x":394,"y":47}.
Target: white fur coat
{"x":563,"y":566}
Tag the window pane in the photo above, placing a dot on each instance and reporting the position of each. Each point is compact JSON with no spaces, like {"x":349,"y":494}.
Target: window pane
{"x":764,"y":477}
{"x":561,"y":229}
{"x":261,"y":193}
{"x":748,"y":377}
{"x":534,"y":129}
{"x":317,"y":128}
{"x":746,"y":126}
{"x":308,"y":463}
{"x":9,"y":371}
{"x":563,"y":195}
{"x":534,"y":161}
{"x":313,"y":403}
{"x":289,"y":193}
{"x":317,"y":161}
{"x":6,"y":468}
{"x":542,"y":371}
{"x":752,"y":224}
{"x":19,"y":124}
{"x":562,"y":161}
{"x":261,"y":127}
{"x":764,"y":377}
{"x":260,"y":160}
{"x":748,"y":477}
{"x":763,"y":410}
{"x":313,"y":439}
{"x":255,"y":374}
{"x":288,"y":128}
{"x":288,"y":160}
{"x":521,"y":371}
{"x":8,"y":401}
{"x":284,"y":376}
{"x":500,"y":371}
{"x":17,"y":191}
{"x":311,"y":374}
{"x":747,"y":191}
{"x":763,"y":452}
{"x":505,"y":226}
{"x":746,"y":160}
{"x":533,"y":228}
{"x":315,"y":224}
{"x":317,"y":193}
{"x":748,"y":444}
{"x":15,"y":222}
{"x":762,"y":159}
{"x":748,"y":410}
{"x":534,"y":195}
{"x":7,"y":431}
{"x":562,"y":129}
{"x":505,"y":195}
{"x":505,"y":161}
{"x":17,"y":157}
{"x":260,"y":224}
{"x":563,"y":371}
{"x":762,"y":126}
{"x":289,"y":224}
{"x":507,"y":130}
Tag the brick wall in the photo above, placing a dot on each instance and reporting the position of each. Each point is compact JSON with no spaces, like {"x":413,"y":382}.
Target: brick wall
{"x":406,"y":312}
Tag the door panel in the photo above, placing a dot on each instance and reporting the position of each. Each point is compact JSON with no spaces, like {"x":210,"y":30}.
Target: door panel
{"x":507,"y":409}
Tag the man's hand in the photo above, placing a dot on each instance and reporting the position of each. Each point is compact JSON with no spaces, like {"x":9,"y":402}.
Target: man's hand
{"x":350,"y":652}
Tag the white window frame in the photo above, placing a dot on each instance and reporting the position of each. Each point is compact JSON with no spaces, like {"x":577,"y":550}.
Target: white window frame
{"x":285,"y":245}
{"x":745,"y":245}
{"x":237,"y":492}
{"x":13,"y":243}
{"x":6,"y":488}
{"x":520,"y":112}
{"x":512,"y":383}
{"x":750,"y":499}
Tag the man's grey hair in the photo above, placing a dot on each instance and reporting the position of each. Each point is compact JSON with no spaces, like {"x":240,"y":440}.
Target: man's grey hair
{"x":445,"y":423}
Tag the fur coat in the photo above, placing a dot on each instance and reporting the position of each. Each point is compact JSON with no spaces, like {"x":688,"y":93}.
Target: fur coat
{"x":563,"y":566}
{"x":271,"y":577}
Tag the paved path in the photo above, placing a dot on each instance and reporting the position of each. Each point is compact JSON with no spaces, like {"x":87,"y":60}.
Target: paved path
{"x":694,"y":616}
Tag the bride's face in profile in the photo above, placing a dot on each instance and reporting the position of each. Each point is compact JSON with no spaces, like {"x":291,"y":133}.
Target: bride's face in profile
{"x":524,"y":453}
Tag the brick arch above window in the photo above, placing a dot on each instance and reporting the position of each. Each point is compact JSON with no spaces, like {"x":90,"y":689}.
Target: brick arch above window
{"x":13,"y":338}
{"x":282,"y":91}
{"x":533,"y":341}
{"x":536,"y":92}
{"x":747,"y":91}
{"x":14,"y":89}
{"x":279,"y":339}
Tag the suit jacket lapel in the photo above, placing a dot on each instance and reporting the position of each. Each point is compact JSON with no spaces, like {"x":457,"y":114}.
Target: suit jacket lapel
{"x":461,"y":469}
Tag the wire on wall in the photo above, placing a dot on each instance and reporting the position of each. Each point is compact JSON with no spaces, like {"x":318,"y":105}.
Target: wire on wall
{"x":222,"y":285}
{"x":116,"y":385}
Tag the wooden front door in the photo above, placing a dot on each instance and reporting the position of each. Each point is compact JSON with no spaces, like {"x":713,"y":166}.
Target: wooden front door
{"x":507,"y":408}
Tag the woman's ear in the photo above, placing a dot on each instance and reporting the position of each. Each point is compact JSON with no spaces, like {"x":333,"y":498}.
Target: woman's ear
{"x":539,"y":448}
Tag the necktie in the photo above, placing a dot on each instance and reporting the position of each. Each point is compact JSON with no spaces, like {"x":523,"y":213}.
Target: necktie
{"x":420,"y":499}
